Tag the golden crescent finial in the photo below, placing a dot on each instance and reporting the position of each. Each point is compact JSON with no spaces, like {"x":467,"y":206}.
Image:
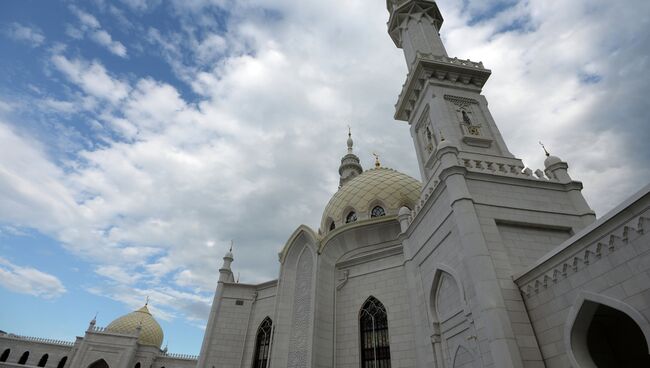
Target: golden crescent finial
{"x":377,"y":163}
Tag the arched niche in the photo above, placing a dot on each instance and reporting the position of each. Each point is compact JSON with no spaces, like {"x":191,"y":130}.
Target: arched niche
{"x":603,"y":332}
{"x":447,"y":295}
{"x":101,"y":363}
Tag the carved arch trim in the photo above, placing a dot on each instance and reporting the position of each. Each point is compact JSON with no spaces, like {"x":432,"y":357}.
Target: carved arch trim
{"x":304,"y":230}
{"x":440,"y":269}
{"x":582,"y":299}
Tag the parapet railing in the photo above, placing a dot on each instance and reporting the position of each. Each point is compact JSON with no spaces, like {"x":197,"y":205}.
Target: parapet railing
{"x":40,"y":340}
{"x":181,"y":356}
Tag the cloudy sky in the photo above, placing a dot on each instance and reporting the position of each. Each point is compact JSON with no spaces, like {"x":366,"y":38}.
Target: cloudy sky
{"x":138,"y":137}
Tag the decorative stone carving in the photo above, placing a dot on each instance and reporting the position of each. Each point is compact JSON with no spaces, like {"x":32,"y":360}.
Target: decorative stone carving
{"x":301,"y":323}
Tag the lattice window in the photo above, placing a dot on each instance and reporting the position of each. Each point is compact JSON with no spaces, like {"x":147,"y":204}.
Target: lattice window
{"x":373,"y":323}
{"x":263,"y":344}
{"x":378,"y":211}
{"x":351,"y":217}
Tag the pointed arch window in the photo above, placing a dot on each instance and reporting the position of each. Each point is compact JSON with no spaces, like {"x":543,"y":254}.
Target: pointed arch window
{"x":43,"y":361}
{"x":5,"y":355}
{"x":373,"y":325}
{"x":466,"y":118}
{"x":62,"y":362}
{"x":263,"y":344}
{"x":378,"y":211}
{"x":23,"y":358}
{"x":332,"y":225}
{"x":351,"y":217}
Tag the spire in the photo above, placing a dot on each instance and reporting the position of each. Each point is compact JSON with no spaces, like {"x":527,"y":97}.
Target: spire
{"x":544,"y":148}
{"x":350,"y":141}
{"x":350,"y":166}
{"x":377,"y":163}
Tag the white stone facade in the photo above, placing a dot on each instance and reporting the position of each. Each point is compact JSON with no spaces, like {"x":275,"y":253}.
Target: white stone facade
{"x":484,"y":269}
{"x":491,"y":264}
{"x":116,"y":350}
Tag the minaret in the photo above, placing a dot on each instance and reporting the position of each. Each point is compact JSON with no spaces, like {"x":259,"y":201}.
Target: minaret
{"x":478,"y":199}
{"x":225,"y":273}
{"x":225,"y":276}
{"x":441,"y":95}
{"x":350,"y":166}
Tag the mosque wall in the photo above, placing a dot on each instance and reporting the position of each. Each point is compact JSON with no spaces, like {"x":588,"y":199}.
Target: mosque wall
{"x":441,"y":292}
{"x":232,"y":325}
{"x":607,"y":264}
{"x":36,"y":349}
{"x":287,"y":349}
{"x":384,"y":279}
{"x":263,"y":307}
{"x":171,"y":362}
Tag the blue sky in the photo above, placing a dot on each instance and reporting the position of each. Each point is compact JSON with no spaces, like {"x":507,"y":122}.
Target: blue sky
{"x":138,"y":137}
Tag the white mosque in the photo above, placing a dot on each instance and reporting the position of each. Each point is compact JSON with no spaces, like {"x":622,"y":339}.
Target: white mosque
{"x":481,"y":263}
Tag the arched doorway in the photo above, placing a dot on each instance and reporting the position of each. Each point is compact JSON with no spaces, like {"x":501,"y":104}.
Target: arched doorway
{"x":99,"y":364}
{"x":605,"y":337}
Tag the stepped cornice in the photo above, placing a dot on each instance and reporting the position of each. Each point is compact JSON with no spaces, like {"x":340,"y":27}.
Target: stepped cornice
{"x":442,"y":70}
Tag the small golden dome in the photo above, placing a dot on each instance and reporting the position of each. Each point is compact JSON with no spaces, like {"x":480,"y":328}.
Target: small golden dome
{"x":382,"y":185}
{"x":151,"y":333}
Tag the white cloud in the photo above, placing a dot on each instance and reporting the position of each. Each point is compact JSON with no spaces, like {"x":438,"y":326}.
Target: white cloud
{"x":28,"y":280}
{"x":103,"y":38}
{"x":258,"y":153}
{"x":19,"y":32}
{"x":92,"y":78}
{"x":90,"y":25}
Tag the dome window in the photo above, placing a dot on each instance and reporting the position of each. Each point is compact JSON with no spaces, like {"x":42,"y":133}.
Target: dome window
{"x":351,"y":217}
{"x":332,"y":226}
{"x":378,"y":211}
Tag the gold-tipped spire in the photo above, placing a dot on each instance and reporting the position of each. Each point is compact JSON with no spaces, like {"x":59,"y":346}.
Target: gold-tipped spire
{"x":544,"y":148}
{"x":377,"y":163}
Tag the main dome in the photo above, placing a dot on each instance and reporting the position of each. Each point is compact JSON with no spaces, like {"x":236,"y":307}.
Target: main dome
{"x":381,"y":186}
{"x":151,"y":333}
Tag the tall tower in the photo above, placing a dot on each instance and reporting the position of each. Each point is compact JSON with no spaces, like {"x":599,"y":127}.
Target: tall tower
{"x":441,"y":97}
{"x":482,"y":217}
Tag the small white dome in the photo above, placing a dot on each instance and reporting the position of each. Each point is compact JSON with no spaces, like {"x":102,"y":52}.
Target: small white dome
{"x":551,"y":160}
{"x":404,"y":211}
